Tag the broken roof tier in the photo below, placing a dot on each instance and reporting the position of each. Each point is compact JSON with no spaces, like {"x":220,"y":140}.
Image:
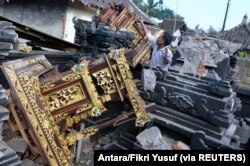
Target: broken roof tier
{"x":105,"y":4}
{"x":238,"y":34}
{"x":171,"y":25}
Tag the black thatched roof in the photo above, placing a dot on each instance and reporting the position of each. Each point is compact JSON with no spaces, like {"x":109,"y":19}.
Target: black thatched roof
{"x":239,"y":34}
{"x":105,"y":4}
{"x":170,"y":25}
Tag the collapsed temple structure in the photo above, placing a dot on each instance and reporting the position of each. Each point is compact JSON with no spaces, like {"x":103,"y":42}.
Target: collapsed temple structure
{"x":52,"y":92}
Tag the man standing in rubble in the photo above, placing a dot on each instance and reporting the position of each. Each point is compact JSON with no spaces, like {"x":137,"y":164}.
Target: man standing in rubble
{"x":161,"y":55}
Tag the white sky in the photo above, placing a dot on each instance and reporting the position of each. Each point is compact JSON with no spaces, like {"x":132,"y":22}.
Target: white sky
{"x":210,"y":12}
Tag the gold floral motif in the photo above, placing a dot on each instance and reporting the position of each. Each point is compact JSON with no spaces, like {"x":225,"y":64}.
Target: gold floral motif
{"x":82,"y":113}
{"x":38,"y":118}
{"x":41,"y":118}
{"x":71,"y":77}
{"x":46,"y":87}
{"x":105,"y":80}
{"x":71,"y":120}
{"x":72,"y":138}
{"x":84,"y":107}
{"x":60,"y":117}
{"x":36,"y":86}
{"x":65,"y":97}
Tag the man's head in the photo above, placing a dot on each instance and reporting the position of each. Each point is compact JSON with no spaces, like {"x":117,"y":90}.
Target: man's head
{"x":164,"y":40}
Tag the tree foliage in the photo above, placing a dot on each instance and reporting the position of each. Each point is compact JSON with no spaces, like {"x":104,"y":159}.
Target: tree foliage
{"x":156,"y":9}
{"x":241,"y":54}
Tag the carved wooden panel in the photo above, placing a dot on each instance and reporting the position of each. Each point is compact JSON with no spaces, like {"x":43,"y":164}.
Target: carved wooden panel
{"x":123,"y":18}
{"x":21,"y":75}
{"x":71,"y":96}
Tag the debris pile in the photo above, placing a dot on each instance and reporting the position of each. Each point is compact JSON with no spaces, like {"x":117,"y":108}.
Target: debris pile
{"x":187,"y":100}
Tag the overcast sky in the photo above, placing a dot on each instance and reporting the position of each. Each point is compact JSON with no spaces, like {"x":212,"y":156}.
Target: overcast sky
{"x":210,"y":12}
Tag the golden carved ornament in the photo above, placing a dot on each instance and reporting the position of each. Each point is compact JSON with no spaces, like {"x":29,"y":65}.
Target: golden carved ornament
{"x":60,"y":117}
{"x":133,"y":94}
{"x":105,"y":98}
{"x":82,"y":69}
{"x":72,"y":138}
{"x":65,"y":97}
{"x":138,"y":36}
{"x":46,"y":87}
{"x":84,"y":107}
{"x":105,"y":81}
{"x":37,"y":117}
{"x":119,"y":18}
{"x":74,"y":119}
{"x":71,"y":77}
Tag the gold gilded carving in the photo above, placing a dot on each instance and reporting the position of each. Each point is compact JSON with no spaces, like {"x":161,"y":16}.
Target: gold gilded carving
{"x":84,"y":108}
{"x":81,"y":113}
{"x":133,"y":94}
{"x":105,"y":98}
{"x":72,"y":138}
{"x":138,"y":36}
{"x":36,"y":86}
{"x":82,"y":69}
{"x":113,"y":75}
{"x":71,"y":120}
{"x":65,"y":97}
{"x":141,"y":54}
{"x":60,"y":117}
{"x":119,"y":18}
{"x":37,"y":116}
{"x":118,"y":77}
{"x":27,"y":89}
{"x":105,"y":80}
{"x":41,"y":118}
{"x":35,"y":69}
{"x":46,"y":87}
{"x":71,"y":77}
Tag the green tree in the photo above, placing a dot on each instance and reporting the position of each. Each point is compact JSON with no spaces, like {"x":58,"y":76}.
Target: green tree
{"x":150,"y":2}
{"x":179,"y":17}
{"x":161,"y":5}
{"x":151,"y":7}
{"x":138,"y":2}
{"x":155,"y":9}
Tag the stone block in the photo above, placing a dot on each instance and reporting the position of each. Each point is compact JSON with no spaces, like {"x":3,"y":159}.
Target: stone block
{"x":18,"y":144}
{"x":150,"y":137}
{"x":27,"y":162}
{"x":148,"y":80}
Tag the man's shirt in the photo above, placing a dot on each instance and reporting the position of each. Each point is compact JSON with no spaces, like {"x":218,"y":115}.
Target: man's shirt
{"x":157,"y":57}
